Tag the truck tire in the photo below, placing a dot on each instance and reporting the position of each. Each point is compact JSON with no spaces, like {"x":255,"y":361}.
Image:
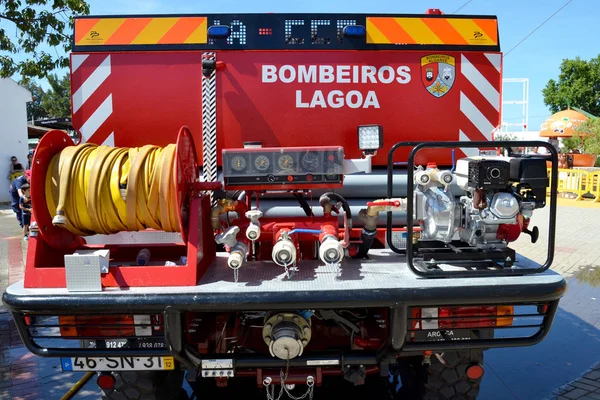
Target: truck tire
{"x":146,"y":385}
{"x":450,"y":381}
{"x":439,"y":381}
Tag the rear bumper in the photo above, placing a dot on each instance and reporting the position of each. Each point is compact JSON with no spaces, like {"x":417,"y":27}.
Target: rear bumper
{"x":396,"y":345}
{"x":379,"y":282}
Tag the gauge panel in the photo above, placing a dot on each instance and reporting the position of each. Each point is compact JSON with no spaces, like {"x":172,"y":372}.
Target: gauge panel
{"x":283,"y":168}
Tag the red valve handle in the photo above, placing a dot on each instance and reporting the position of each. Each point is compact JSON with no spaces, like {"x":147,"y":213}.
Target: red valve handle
{"x":395,"y":203}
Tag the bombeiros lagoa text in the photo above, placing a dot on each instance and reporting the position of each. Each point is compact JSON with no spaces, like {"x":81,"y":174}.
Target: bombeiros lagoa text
{"x":358,"y":74}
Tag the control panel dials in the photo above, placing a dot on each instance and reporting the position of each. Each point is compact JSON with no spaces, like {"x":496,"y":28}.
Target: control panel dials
{"x":283,"y":168}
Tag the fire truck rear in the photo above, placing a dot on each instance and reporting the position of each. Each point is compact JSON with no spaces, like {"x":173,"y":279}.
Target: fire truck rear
{"x":289,"y":200}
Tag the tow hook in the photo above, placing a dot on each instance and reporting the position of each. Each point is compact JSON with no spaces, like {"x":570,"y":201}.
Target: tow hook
{"x":355,"y":374}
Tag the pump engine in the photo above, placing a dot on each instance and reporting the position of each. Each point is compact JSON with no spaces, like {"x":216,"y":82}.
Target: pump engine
{"x":485,"y":203}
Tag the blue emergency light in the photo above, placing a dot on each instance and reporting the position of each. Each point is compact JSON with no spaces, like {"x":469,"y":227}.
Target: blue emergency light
{"x":219,"y":31}
{"x":354,"y":31}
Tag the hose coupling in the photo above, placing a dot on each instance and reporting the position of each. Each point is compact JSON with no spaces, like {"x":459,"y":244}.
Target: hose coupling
{"x":253,"y":230}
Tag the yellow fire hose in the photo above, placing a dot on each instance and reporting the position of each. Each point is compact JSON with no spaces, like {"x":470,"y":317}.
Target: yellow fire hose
{"x":77,"y":387}
{"x":94,"y":189}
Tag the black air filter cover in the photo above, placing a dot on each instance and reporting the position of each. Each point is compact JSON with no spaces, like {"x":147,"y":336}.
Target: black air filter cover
{"x":488,"y":174}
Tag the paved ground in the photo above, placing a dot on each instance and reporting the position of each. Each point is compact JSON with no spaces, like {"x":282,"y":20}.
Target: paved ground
{"x":563,"y":366}
{"x":23,"y":375}
{"x":573,"y":344}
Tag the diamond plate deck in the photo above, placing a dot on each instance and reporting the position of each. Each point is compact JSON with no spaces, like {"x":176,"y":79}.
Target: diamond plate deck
{"x":383,"y":280}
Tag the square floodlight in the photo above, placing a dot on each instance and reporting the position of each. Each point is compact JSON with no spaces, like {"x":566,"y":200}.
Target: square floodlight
{"x":370,"y":137}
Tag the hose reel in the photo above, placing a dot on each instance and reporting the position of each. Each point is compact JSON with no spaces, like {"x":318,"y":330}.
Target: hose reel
{"x":89,"y":189}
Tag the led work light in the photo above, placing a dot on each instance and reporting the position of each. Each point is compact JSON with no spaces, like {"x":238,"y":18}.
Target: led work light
{"x":370,"y":137}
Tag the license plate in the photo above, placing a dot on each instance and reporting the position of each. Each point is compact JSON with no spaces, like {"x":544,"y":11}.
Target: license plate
{"x":117,"y":363}
{"x":443,"y":335}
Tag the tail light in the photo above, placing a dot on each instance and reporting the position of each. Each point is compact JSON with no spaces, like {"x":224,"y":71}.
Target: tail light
{"x":471,"y":317}
{"x":109,"y":325}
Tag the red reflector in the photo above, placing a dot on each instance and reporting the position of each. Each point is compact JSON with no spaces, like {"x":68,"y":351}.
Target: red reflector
{"x":117,"y":325}
{"x":106,"y":381}
{"x":475,"y":372}
{"x":467,"y":317}
{"x":96,"y":325}
{"x":416,"y":316}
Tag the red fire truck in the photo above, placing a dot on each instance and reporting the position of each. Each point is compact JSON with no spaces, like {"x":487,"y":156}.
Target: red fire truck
{"x":289,"y":201}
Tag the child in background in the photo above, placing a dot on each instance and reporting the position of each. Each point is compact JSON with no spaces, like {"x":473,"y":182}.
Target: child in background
{"x":25,"y":205}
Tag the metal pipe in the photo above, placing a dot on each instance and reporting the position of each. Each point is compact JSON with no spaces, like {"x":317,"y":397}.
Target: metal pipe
{"x":287,"y":208}
{"x":242,"y":361}
{"x":77,"y":387}
{"x":223,"y":206}
{"x":324,"y":371}
{"x":371,"y":185}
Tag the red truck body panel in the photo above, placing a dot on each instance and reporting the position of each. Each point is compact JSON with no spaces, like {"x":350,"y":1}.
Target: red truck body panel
{"x":132,"y":98}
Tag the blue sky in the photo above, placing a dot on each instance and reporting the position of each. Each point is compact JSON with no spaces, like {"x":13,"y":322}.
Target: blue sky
{"x":572,"y":32}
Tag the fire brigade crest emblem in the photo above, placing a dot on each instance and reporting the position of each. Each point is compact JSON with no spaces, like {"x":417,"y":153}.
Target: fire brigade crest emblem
{"x":438,"y":73}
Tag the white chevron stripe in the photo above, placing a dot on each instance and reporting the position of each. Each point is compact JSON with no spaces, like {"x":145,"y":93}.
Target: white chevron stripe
{"x":96,"y":119}
{"x":469,"y":151}
{"x":90,"y":85}
{"x":77,"y":60}
{"x":475,"y":116}
{"x":110,"y":140}
{"x":495,"y":59}
{"x":209,"y":125}
{"x":481,"y":84}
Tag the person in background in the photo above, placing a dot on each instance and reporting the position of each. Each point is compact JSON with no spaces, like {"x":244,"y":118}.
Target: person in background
{"x":25,"y":206}
{"x":16,"y":193}
{"x":562,"y":161}
{"x":16,"y":169}
{"x":29,"y":159}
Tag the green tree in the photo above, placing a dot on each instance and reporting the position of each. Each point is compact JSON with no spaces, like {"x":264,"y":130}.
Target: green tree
{"x":56,"y":102}
{"x":586,"y":138}
{"x":578,"y":85}
{"x":37,"y":24}
{"x":35,"y":110}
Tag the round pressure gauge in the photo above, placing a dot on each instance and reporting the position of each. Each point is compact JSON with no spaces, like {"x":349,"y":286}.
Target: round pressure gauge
{"x":238,"y":163}
{"x":285,"y":161}
{"x":262,"y":163}
{"x":310,"y":161}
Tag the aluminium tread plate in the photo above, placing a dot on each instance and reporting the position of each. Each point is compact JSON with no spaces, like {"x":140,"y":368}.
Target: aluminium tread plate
{"x":385,"y":279}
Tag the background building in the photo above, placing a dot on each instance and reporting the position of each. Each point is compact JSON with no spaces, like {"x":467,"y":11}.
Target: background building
{"x":13,"y":129}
